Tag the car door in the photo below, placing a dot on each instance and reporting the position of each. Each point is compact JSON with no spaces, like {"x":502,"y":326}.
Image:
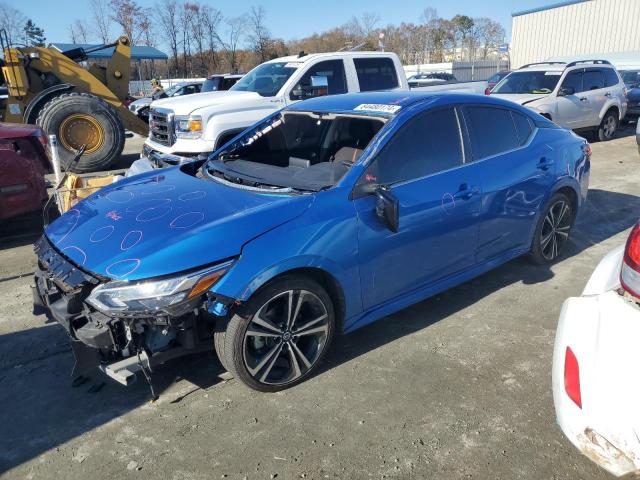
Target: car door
{"x":572,"y":109}
{"x":439,"y":201}
{"x":595,"y":94}
{"x":332,"y":70}
{"x":517,"y":174}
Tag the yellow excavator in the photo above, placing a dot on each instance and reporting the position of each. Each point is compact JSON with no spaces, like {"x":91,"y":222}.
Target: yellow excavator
{"x":81,"y":106}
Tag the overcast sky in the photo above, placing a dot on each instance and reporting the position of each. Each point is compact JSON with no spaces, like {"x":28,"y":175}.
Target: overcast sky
{"x":292,"y":19}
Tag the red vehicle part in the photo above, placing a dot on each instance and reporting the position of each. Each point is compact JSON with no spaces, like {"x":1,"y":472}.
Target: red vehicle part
{"x":23,"y":164}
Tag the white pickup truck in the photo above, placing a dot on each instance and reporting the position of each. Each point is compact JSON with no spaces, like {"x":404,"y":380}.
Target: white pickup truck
{"x":196,"y":125}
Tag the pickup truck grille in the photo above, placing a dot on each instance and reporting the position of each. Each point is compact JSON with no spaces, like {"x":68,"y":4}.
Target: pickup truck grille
{"x":161,"y":127}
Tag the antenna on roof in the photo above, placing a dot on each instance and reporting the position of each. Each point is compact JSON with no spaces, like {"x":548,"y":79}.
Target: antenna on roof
{"x":357,"y":47}
{"x":301,"y":54}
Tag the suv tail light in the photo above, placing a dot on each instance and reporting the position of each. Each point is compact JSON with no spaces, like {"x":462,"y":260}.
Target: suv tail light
{"x":630,"y":273}
{"x":572,"y":377}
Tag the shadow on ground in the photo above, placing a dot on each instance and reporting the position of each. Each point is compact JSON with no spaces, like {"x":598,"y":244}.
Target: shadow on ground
{"x":41,"y":410}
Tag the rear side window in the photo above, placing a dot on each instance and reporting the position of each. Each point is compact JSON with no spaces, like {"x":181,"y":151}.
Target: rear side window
{"x":333,"y":70}
{"x":376,"y":74}
{"x":523,"y":127}
{"x":610,"y":77}
{"x":492,"y":131}
{"x":428,"y":144}
{"x":574,"y":80}
{"x":593,"y":79}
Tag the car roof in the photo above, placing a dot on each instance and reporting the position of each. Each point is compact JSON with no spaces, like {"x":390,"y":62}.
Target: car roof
{"x":312,"y":56}
{"x":391,"y":103}
{"x":560,"y":66}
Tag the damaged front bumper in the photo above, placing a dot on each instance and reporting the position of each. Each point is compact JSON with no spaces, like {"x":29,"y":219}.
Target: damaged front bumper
{"x":117,"y":346}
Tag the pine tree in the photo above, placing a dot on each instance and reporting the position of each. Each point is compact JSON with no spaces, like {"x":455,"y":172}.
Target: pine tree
{"x":34,"y":35}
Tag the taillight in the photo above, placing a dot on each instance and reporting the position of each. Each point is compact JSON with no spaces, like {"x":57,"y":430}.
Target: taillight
{"x":487,"y":91}
{"x":625,"y":91}
{"x":572,"y":377}
{"x":586,"y":149}
{"x":630,"y":273}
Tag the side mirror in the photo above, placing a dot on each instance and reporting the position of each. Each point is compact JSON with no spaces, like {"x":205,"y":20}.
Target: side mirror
{"x":387,"y":209}
{"x":566,"y":91}
{"x":318,"y":86}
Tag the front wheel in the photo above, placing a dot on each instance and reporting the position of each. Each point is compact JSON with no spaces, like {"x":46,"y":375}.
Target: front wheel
{"x":608,"y":126}
{"x":279,"y":336}
{"x":553,"y":229}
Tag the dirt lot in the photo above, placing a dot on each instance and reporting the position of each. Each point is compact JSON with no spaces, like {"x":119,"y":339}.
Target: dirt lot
{"x":458,"y":386}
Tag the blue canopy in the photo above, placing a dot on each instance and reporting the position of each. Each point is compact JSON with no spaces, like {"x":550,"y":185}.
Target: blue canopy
{"x":142,"y":52}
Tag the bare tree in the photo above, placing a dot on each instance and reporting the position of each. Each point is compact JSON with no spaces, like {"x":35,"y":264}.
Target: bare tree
{"x":78,"y":32}
{"x":198,"y":31}
{"x":185,"y":15}
{"x":211,"y":18}
{"x":490,"y":35}
{"x":167,"y":18}
{"x":101,"y":19}
{"x":12,"y":21}
{"x":260,"y":37}
{"x":234,"y":34}
{"x":130,"y":16}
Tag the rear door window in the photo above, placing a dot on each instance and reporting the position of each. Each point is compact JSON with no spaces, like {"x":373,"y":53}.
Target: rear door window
{"x":333,"y":70}
{"x":523,"y":127}
{"x":376,"y":73}
{"x":593,"y":79}
{"x":492,"y":131}
{"x":610,"y":77}
{"x":427,"y":144}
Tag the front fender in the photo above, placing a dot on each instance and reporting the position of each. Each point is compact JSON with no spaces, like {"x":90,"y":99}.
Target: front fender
{"x":324,"y":238}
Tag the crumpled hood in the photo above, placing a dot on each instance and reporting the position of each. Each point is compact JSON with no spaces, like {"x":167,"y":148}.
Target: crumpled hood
{"x":212,"y":102}
{"x":164,"y":222}
{"x":527,"y":99}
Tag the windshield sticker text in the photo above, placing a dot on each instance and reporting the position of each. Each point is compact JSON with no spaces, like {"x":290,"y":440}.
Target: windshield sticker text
{"x":378,"y":107}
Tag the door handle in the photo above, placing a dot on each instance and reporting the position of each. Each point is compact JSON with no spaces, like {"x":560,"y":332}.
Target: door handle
{"x":608,"y":94}
{"x":465,"y":192}
{"x":544,"y":163}
{"x":583,"y":99}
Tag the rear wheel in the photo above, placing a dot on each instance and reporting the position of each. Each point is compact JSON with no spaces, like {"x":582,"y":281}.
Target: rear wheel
{"x":280,"y":335}
{"x":608,"y":126}
{"x":553,"y":229}
{"x":81,"y":119}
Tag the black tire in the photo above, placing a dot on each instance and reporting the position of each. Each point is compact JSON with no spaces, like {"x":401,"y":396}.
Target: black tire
{"x":286,"y":353}
{"x":219,"y":335}
{"x":608,"y":126}
{"x":57,"y":113}
{"x":553,"y":229}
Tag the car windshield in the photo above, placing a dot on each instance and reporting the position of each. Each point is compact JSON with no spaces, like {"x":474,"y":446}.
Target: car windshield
{"x":294,"y":151}
{"x":266,"y":79}
{"x":211,"y":84}
{"x":539,"y":82}
{"x":631,"y":78}
{"x":166,"y":93}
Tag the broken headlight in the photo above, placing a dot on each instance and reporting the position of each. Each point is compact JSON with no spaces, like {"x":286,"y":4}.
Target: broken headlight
{"x":152,"y":296}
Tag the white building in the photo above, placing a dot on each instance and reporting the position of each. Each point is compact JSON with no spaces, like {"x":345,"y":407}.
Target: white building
{"x":575,"y":28}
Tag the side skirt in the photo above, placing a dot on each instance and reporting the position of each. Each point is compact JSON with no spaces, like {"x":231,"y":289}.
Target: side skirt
{"x":427,"y":291}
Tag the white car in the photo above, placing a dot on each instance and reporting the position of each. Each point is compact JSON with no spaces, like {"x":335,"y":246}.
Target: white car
{"x":596,"y":386}
{"x":581,"y":95}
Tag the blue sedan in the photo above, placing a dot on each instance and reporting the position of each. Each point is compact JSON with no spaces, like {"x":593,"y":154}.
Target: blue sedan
{"x":318,"y":220}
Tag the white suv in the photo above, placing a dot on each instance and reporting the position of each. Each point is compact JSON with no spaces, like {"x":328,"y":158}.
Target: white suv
{"x":581,"y":95}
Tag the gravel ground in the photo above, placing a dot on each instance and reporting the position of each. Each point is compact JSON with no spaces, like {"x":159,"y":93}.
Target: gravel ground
{"x":457,"y":386}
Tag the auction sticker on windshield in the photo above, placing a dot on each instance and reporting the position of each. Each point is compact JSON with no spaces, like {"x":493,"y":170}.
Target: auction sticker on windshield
{"x":292,"y":65}
{"x":378,"y":107}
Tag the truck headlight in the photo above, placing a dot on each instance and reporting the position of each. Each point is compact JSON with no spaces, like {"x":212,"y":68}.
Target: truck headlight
{"x":188,"y":127}
{"x":152,"y":296}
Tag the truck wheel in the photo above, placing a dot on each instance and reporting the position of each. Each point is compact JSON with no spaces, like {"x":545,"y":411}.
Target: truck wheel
{"x":82,"y":119}
{"x":608,"y":126}
{"x":278,"y":338}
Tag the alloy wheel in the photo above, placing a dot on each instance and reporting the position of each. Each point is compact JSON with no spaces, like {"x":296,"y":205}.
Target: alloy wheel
{"x":555,"y":229}
{"x":609,"y":126}
{"x":286,"y":337}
